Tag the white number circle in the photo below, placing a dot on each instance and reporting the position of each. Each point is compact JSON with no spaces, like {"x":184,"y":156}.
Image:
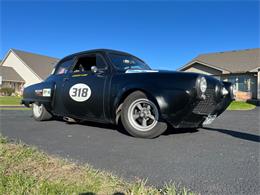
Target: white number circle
{"x":80,"y":92}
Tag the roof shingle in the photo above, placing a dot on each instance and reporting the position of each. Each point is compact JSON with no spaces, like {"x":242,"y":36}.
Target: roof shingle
{"x":9,"y":74}
{"x":40,"y":64}
{"x":231,"y":61}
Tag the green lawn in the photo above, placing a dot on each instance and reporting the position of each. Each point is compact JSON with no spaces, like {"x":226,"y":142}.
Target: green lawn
{"x":26,"y":170}
{"x":10,"y":108}
{"x":239,"y":105}
{"x":10,"y":100}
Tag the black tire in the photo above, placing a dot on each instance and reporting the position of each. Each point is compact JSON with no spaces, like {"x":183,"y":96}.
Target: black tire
{"x":154,"y":129}
{"x":42,"y":114}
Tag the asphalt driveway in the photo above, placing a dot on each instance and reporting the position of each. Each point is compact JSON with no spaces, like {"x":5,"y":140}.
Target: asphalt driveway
{"x":221,"y":159}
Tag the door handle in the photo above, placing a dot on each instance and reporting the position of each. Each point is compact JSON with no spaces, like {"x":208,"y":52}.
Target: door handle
{"x":65,"y":79}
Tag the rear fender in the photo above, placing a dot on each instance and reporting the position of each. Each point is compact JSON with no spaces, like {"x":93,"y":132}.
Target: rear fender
{"x":41,"y":93}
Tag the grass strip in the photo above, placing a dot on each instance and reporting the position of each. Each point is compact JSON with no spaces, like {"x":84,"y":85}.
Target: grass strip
{"x":9,"y":108}
{"x":239,"y":105}
{"x":10,"y":100}
{"x":26,"y":170}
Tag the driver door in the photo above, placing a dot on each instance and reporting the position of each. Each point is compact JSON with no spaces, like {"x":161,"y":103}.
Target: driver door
{"x":83,"y":89}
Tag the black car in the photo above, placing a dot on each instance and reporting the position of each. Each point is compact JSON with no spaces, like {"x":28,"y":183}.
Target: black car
{"x":109,"y":86}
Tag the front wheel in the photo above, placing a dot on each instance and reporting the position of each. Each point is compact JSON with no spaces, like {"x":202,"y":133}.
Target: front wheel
{"x":140,"y":116}
{"x":40,"y":113}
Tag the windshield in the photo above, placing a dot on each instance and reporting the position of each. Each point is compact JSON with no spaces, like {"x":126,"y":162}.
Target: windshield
{"x":126,"y":62}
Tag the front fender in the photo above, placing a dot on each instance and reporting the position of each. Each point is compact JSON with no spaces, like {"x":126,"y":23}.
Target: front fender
{"x":170,"y":102}
{"x":120,"y":96}
{"x":225,"y":102}
{"x":174,"y":103}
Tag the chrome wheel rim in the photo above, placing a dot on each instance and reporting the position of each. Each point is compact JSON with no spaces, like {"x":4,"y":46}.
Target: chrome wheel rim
{"x":143,"y":115}
{"x":37,"y":110}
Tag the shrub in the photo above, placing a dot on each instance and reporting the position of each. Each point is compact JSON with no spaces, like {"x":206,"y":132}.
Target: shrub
{"x":7,"y":91}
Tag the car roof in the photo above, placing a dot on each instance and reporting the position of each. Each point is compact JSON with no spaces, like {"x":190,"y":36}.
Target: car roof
{"x":99,"y":50}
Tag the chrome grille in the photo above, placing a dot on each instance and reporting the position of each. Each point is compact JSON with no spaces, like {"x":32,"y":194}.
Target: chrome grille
{"x":208,"y":105}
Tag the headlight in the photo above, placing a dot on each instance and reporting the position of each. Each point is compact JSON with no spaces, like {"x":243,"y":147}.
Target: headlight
{"x":203,"y":85}
{"x":224,"y":91}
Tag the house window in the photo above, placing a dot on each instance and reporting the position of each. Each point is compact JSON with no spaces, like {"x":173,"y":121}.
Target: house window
{"x":242,"y":82}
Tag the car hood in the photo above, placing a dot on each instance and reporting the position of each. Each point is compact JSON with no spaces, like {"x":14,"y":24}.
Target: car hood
{"x":140,"y":71}
{"x":161,"y":73}
{"x":170,"y":77}
{"x":166,"y":72}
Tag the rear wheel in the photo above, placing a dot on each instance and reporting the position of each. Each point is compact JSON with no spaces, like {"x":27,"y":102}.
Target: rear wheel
{"x":40,"y":113}
{"x":140,"y":116}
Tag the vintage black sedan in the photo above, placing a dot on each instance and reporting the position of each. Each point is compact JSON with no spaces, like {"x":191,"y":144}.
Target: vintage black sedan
{"x":109,"y":86}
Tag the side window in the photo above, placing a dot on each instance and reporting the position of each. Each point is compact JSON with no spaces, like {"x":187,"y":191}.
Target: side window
{"x":85,"y":63}
{"x":63,"y":67}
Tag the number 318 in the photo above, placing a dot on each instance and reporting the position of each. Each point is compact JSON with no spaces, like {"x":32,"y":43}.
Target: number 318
{"x":79,"y":92}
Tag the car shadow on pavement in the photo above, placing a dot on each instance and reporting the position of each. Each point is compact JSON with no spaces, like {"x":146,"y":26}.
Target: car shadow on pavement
{"x":112,"y":127}
{"x":171,"y":131}
{"x":236,"y":134}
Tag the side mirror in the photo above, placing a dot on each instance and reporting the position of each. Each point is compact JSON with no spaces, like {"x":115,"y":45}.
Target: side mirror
{"x":94,"y":69}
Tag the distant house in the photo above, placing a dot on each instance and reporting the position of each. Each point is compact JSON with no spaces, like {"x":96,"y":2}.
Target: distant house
{"x":241,"y":67}
{"x":10,"y":79}
{"x":20,"y":69}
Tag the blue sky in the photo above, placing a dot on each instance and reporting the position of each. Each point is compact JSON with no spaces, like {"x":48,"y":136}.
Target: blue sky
{"x":165,"y":34}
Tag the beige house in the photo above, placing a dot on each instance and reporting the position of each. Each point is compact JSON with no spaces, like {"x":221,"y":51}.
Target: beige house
{"x":25,"y":67}
{"x":241,"y":67}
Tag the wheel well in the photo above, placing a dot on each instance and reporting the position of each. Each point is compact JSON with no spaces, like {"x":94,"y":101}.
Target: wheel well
{"x":124,"y":96}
